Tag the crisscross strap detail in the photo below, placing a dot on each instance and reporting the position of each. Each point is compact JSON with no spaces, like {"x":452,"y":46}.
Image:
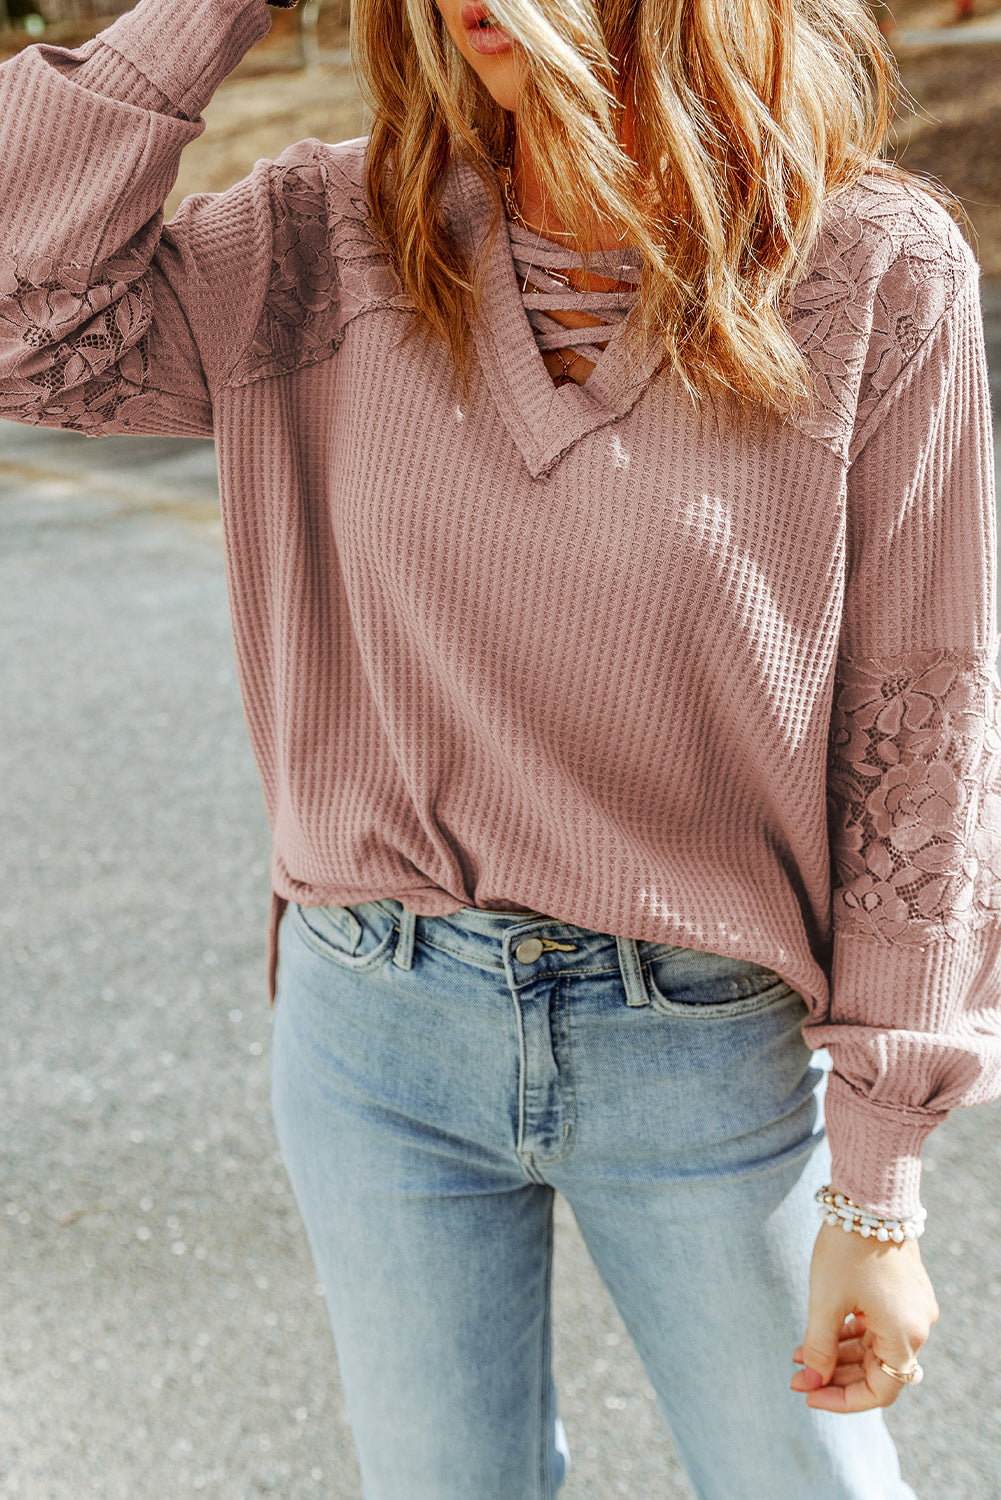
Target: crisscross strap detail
{"x":617,"y":265}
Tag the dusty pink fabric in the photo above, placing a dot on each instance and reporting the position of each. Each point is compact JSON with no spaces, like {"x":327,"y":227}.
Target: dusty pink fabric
{"x":582,"y":650}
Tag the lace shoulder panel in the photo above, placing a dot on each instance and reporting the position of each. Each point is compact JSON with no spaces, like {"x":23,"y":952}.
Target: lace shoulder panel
{"x":914,"y":795}
{"x":326,"y":265}
{"x":886,"y":267}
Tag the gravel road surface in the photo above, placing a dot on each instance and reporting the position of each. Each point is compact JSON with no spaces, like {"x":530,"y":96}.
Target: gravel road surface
{"x":161,"y":1330}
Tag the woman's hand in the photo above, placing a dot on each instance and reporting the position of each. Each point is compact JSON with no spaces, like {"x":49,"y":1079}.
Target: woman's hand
{"x":885,"y":1290}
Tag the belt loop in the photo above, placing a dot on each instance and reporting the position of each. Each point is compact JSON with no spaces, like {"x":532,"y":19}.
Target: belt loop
{"x":403,"y":957}
{"x":632,"y":974}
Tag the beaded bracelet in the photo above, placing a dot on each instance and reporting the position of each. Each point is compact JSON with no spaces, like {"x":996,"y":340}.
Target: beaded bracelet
{"x":837,"y":1209}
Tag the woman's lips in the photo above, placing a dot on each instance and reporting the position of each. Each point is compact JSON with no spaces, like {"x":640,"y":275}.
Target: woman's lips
{"x":487,"y":40}
{"x":484,"y":39}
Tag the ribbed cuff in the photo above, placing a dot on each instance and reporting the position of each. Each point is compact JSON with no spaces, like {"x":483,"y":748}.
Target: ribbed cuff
{"x":875,"y":1151}
{"x":187,"y":49}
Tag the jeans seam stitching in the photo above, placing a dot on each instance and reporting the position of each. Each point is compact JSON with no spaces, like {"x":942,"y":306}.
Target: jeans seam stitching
{"x":522,"y":1080}
{"x":720,"y":1009}
{"x":547,"y":1418}
{"x":572,"y":1138}
{"x":330,"y":954}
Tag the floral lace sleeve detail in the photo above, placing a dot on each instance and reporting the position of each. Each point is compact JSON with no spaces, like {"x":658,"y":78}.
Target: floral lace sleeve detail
{"x":326,"y":265}
{"x":88,"y":328}
{"x":887,"y":265}
{"x":914,"y":796}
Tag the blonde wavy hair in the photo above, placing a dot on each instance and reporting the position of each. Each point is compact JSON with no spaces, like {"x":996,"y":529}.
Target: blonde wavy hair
{"x":745,"y":116}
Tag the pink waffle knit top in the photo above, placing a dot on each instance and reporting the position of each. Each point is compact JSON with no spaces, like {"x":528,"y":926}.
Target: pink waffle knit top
{"x":584,"y":650}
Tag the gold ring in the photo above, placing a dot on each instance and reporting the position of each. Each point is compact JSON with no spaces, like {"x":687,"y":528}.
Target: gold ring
{"x":913,"y":1376}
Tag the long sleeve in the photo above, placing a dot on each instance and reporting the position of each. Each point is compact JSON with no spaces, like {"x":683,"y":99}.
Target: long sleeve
{"x":914,"y":770}
{"x":110,"y":322}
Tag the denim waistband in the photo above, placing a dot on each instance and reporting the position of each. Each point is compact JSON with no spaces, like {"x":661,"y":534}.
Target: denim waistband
{"x":492,"y":940}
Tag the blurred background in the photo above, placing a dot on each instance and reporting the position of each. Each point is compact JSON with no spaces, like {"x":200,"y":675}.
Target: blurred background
{"x":161,"y":1330}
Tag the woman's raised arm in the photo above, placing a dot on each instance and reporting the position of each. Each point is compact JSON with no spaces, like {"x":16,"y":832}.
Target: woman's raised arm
{"x":110,"y":322}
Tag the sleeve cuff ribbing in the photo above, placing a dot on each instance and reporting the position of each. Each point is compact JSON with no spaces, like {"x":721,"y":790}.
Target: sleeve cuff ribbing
{"x":187,"y":49}
{"x":875,"y":1150}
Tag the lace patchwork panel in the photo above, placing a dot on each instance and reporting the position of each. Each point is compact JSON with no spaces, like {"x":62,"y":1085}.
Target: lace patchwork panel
{"x":89,"y":327}
{"x":326,"y":268}
{"x":887,"y":266}
{"x":914,"y":795}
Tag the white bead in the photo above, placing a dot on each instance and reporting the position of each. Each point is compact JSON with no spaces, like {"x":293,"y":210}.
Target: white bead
{"x":865,"y":1231}
{"x":831,"y":1218}
{"x":897,"y":1236}
{"x":839,"y":1199}
{"x":882,"y":1233}
{"x":847,"y":1226}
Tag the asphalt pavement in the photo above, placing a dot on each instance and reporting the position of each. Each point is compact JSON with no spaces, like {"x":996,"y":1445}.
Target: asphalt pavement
{"x":162,"y":1333}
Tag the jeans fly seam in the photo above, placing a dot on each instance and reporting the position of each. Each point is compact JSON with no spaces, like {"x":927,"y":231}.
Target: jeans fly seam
{"x":552,"y":1158}
{"x":522,"y":1071}
{"x":572,"y":1136}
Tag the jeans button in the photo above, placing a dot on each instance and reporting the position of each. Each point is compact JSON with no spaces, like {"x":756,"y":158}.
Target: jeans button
{"x":528,"y":950}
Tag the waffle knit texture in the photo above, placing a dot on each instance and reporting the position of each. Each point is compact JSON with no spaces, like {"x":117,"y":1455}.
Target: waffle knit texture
{"x":590,"y":651}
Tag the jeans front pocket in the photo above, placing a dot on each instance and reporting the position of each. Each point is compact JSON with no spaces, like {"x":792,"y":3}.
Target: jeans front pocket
{"x":359,"y":938}
{"x":688,"y":980}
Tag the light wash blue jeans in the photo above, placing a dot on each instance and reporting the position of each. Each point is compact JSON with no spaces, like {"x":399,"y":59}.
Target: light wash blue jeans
{"x":437,"y":1079}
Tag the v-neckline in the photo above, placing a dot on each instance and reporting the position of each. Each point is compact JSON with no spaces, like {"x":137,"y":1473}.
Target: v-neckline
{"x":543,"y":419}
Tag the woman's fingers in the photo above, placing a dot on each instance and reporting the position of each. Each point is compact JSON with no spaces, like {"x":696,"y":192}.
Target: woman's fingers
{"x":857,"y":1383}
{"x":852,"y":1328}
{"x":850,"y":1345}
{"x":844,"y":1374}
{"x":872,"y":1387}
